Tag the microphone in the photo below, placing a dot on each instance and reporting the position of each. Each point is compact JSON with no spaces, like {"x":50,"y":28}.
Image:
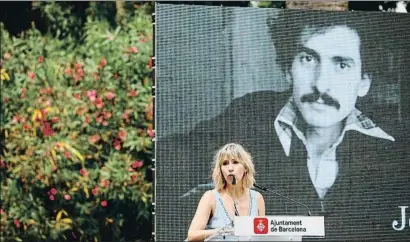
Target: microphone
{"x":283,"y":196}
{"x":234,"y":195}
{"x":233,"y":179}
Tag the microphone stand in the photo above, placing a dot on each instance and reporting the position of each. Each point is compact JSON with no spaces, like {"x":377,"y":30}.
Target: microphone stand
{"x":280,"y":195}
{"x":234,"y":198}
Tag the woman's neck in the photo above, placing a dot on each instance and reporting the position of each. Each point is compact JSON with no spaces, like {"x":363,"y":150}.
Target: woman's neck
{"x":236,"y":192}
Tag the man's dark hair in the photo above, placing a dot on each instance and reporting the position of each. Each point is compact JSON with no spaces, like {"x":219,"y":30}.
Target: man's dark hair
{"x":286,"y":28}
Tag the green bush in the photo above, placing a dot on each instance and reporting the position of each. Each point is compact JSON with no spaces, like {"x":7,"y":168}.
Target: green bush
{"x":76,"y":132}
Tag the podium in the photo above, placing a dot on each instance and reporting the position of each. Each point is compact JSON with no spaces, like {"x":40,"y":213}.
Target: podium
{"x":271,"y":228}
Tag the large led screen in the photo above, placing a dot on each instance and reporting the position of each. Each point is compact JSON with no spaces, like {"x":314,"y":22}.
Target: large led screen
{"x":319,"y":99}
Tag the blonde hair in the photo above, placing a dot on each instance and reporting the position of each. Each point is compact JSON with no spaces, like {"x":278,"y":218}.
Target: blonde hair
{"x":238,"y":153}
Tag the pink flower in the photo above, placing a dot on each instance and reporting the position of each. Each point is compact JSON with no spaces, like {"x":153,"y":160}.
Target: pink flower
{"x":103,"y":203}
{"x":54,"y":168}
{"x":84,"y":172}
{"x":77,"y":96}
{"x":53,"y":191}
{"x":107,"y":115}
{"x":26,"y":127}
{"x":134,"y":177}
{"x":67,"y":197}
{"x":109,"y":95}
{"x":104,"y":183}
{"x":125,"y":115}
{"x":122,"y":135}
{"x":51,"y":197}
{"x":54,"y":119}
{"x":99,"y":103}
{"x":133,"y":49}
{"x":105,"y":123}
{"x":15,"y":119}
{"x":67,"y":154}
{"x":137,"y":164}
{"x":77,"y":78}
{"x":151,"y":133}
{"x":17,"y":223}
{"x":94,"y":139}
{"x":40,"y":59}
{"x":150,"y":63}
{"x":68,"y":71}
{"x":80,"y":72}
{"x":92,"y":95}
{"x":103,"y":62}
{"x":92,"y":98}
{"x":31,"y":75}
{"x":78,"y":65}
{"x":44,"y":111}
{"x":132,"y":93}
{"x":94,"y":191}
{"x":45,"y":90}
{"x":117,"y":144}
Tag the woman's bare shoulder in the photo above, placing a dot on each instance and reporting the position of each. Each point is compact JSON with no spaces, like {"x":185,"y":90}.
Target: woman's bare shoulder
{"x":209,"y":195}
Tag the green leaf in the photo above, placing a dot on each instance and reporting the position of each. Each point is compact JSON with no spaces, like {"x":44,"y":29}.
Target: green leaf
{"x":34,"y":216}
{"x":66,"y":41}
{"x":117,"y":30}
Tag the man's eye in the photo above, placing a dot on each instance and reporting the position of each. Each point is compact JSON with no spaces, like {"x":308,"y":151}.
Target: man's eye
{"x":306,"y":58}
{"x":343,"y":65}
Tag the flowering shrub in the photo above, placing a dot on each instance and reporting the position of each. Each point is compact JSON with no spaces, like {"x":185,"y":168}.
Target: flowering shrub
{"x":76,"y":134}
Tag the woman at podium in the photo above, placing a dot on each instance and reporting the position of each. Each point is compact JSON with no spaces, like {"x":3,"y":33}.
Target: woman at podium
{"x":233,"y":178}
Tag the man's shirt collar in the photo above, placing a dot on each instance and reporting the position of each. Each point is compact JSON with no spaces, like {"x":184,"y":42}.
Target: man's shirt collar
{"x":287,"y":121}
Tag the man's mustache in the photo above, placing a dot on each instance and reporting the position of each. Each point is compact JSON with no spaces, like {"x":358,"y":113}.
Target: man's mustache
{"x":327,"y":99}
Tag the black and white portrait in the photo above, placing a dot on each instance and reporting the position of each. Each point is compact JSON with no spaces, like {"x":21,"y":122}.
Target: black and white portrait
{"x":319,"y":99}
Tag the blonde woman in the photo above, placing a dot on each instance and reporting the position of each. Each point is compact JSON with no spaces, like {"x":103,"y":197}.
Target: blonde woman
{"x":217,"y":207}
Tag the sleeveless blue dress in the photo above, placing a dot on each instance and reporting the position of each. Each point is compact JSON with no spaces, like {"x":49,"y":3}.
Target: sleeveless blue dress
{"x":221,"y":217}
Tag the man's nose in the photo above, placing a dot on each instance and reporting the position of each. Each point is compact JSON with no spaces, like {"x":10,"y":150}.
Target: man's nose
{"x":322,"y":78}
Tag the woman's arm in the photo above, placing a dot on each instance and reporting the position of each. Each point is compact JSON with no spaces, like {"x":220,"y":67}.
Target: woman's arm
{"x":261,"y":204}
{"x":197,"y":230}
